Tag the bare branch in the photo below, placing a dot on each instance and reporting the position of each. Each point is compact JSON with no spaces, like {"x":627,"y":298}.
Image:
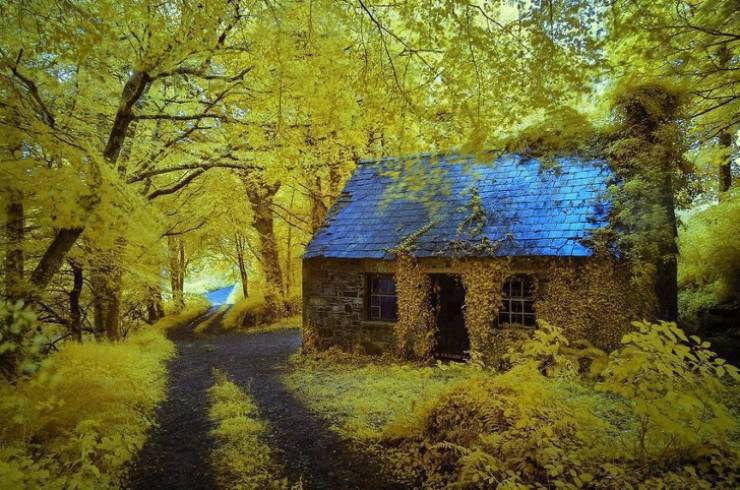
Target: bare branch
{"x":171,"y":190}
{"x":188,"y":166}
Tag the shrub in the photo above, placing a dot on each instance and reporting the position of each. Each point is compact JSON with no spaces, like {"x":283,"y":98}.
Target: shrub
{"x":21,"y":340}
{"x":241,"y":458}
{"x":79,"y":420}
{"x":189,"y":314}
{"x":655,"y":418}
{"x":255,"y":312}
{"x":709,"y":264}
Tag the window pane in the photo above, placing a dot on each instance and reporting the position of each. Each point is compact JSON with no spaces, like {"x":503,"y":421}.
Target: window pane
{"x":375,"y":313}
{"x":517,"y":302}
{"x":388,"y":307}
{"x":528,"y":289}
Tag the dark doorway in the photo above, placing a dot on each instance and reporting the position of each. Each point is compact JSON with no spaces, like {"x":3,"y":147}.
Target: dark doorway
{"x":448,"y":298}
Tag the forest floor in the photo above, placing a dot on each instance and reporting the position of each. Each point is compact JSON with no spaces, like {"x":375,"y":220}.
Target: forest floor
{"x":177,"y":453}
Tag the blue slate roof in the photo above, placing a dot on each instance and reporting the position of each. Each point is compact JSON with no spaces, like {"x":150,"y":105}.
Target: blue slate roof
{"x":531,"y":208}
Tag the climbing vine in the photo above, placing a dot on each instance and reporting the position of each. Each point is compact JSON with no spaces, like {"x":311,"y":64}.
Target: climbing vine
{"x":483,"y":281}
{"x":593,"y":300}
{"x":415,"y":329}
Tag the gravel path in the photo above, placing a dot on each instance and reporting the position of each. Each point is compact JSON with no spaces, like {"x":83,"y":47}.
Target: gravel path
{"x":176,"y":454}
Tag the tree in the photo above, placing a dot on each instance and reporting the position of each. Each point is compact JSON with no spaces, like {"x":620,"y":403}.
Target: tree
{"x":647,"y":154}
{"x":693,"y":45}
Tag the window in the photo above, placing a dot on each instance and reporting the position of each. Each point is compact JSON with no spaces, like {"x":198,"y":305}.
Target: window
{"x":517,"y":302}
{"x":382,"y":304}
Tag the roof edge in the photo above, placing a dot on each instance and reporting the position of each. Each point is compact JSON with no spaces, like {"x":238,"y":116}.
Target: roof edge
{"x":458,"y":155}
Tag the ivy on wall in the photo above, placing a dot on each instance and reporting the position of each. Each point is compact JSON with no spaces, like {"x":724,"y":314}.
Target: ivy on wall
{"x":483,"y":281}
{"x":415,"y":329}
{"x":593,"y":300}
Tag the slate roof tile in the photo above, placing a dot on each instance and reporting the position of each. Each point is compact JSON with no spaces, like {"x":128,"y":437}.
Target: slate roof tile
{"x":529,"y":211}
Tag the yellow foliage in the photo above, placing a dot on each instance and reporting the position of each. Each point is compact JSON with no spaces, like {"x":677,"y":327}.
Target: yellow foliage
{"x":189,"y":314}
{"x":483,"y":281}
{"x":593,"y":300}
{"x":709,"y":264}
{"x":84,"y":415}
{"x":415,"y":329}
{"x":241,"y":458}
{"x":363,"y":396}
{"x":655,"y":418}
{"x":253,"y":306}
{"x":254,"y":312}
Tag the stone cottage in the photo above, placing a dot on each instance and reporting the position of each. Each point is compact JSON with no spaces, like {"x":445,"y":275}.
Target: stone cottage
{"x":494,"y":245}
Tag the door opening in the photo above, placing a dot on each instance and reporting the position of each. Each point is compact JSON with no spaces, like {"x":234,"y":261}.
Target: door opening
{"x":448,"y":298}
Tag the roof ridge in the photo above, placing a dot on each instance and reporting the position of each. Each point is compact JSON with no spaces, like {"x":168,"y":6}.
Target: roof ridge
{"x":457,"y":155}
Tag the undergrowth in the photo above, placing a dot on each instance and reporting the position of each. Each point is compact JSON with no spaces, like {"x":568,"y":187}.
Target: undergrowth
{"x":187,"y":315}
{"x":656,"y":413}
{"x":84,"y":415}
{"x":362,"y":396}
{"x":254,"y":312}
{"x":209,"y":321}
{"x":241,"y":458}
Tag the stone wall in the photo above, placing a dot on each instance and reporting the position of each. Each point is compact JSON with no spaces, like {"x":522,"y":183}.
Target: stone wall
{"x":334,"y":305}
{"x":334,"y":312}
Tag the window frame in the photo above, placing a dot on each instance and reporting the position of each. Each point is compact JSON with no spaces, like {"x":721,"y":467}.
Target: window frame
{"x":526,"y":284}
{"x":370,"y":294}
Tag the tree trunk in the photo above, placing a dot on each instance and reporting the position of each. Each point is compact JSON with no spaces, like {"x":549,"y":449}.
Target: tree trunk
{"x":135,"y":87}
{"x":154,"y":308}
{"x":65,"y":238}
{"x":241,"y":262}
{"x":666,"y":280}
{"x":177,"y":271}
{"x":260,"y":196}
{"x":334,"y":180}
{"x":318,"y":207}
{"x":52,"y":260}
{"x":75,"y":312}
{"x":725,"y":168}
{"x":106,"y":281}
{"x":15,"y":230}
{"x":289,"y":253}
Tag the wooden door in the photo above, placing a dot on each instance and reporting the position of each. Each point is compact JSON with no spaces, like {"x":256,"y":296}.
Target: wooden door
{"x":448,"y":298}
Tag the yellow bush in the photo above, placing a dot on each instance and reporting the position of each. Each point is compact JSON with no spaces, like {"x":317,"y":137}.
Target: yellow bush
{"x":363,"y":397}
{"x":84,"y":415}
{"x":653,"y":413}
{"x":252,"y":310}
{"x":190,"y":313}
{"x":255,"y":312}
{"x":241,"y":458}
{"x":709,"y":264}
{"x":656,"y":418}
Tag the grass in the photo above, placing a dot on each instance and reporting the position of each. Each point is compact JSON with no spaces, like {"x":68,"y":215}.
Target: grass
{"x":363,"y":399}
{"x":187,"y":315}
{"x":280,"y":324}
{"x":210,"y":320}
{"x":234,"y":318}
{"x":241,"y":459}
{"x":81,"y":419}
